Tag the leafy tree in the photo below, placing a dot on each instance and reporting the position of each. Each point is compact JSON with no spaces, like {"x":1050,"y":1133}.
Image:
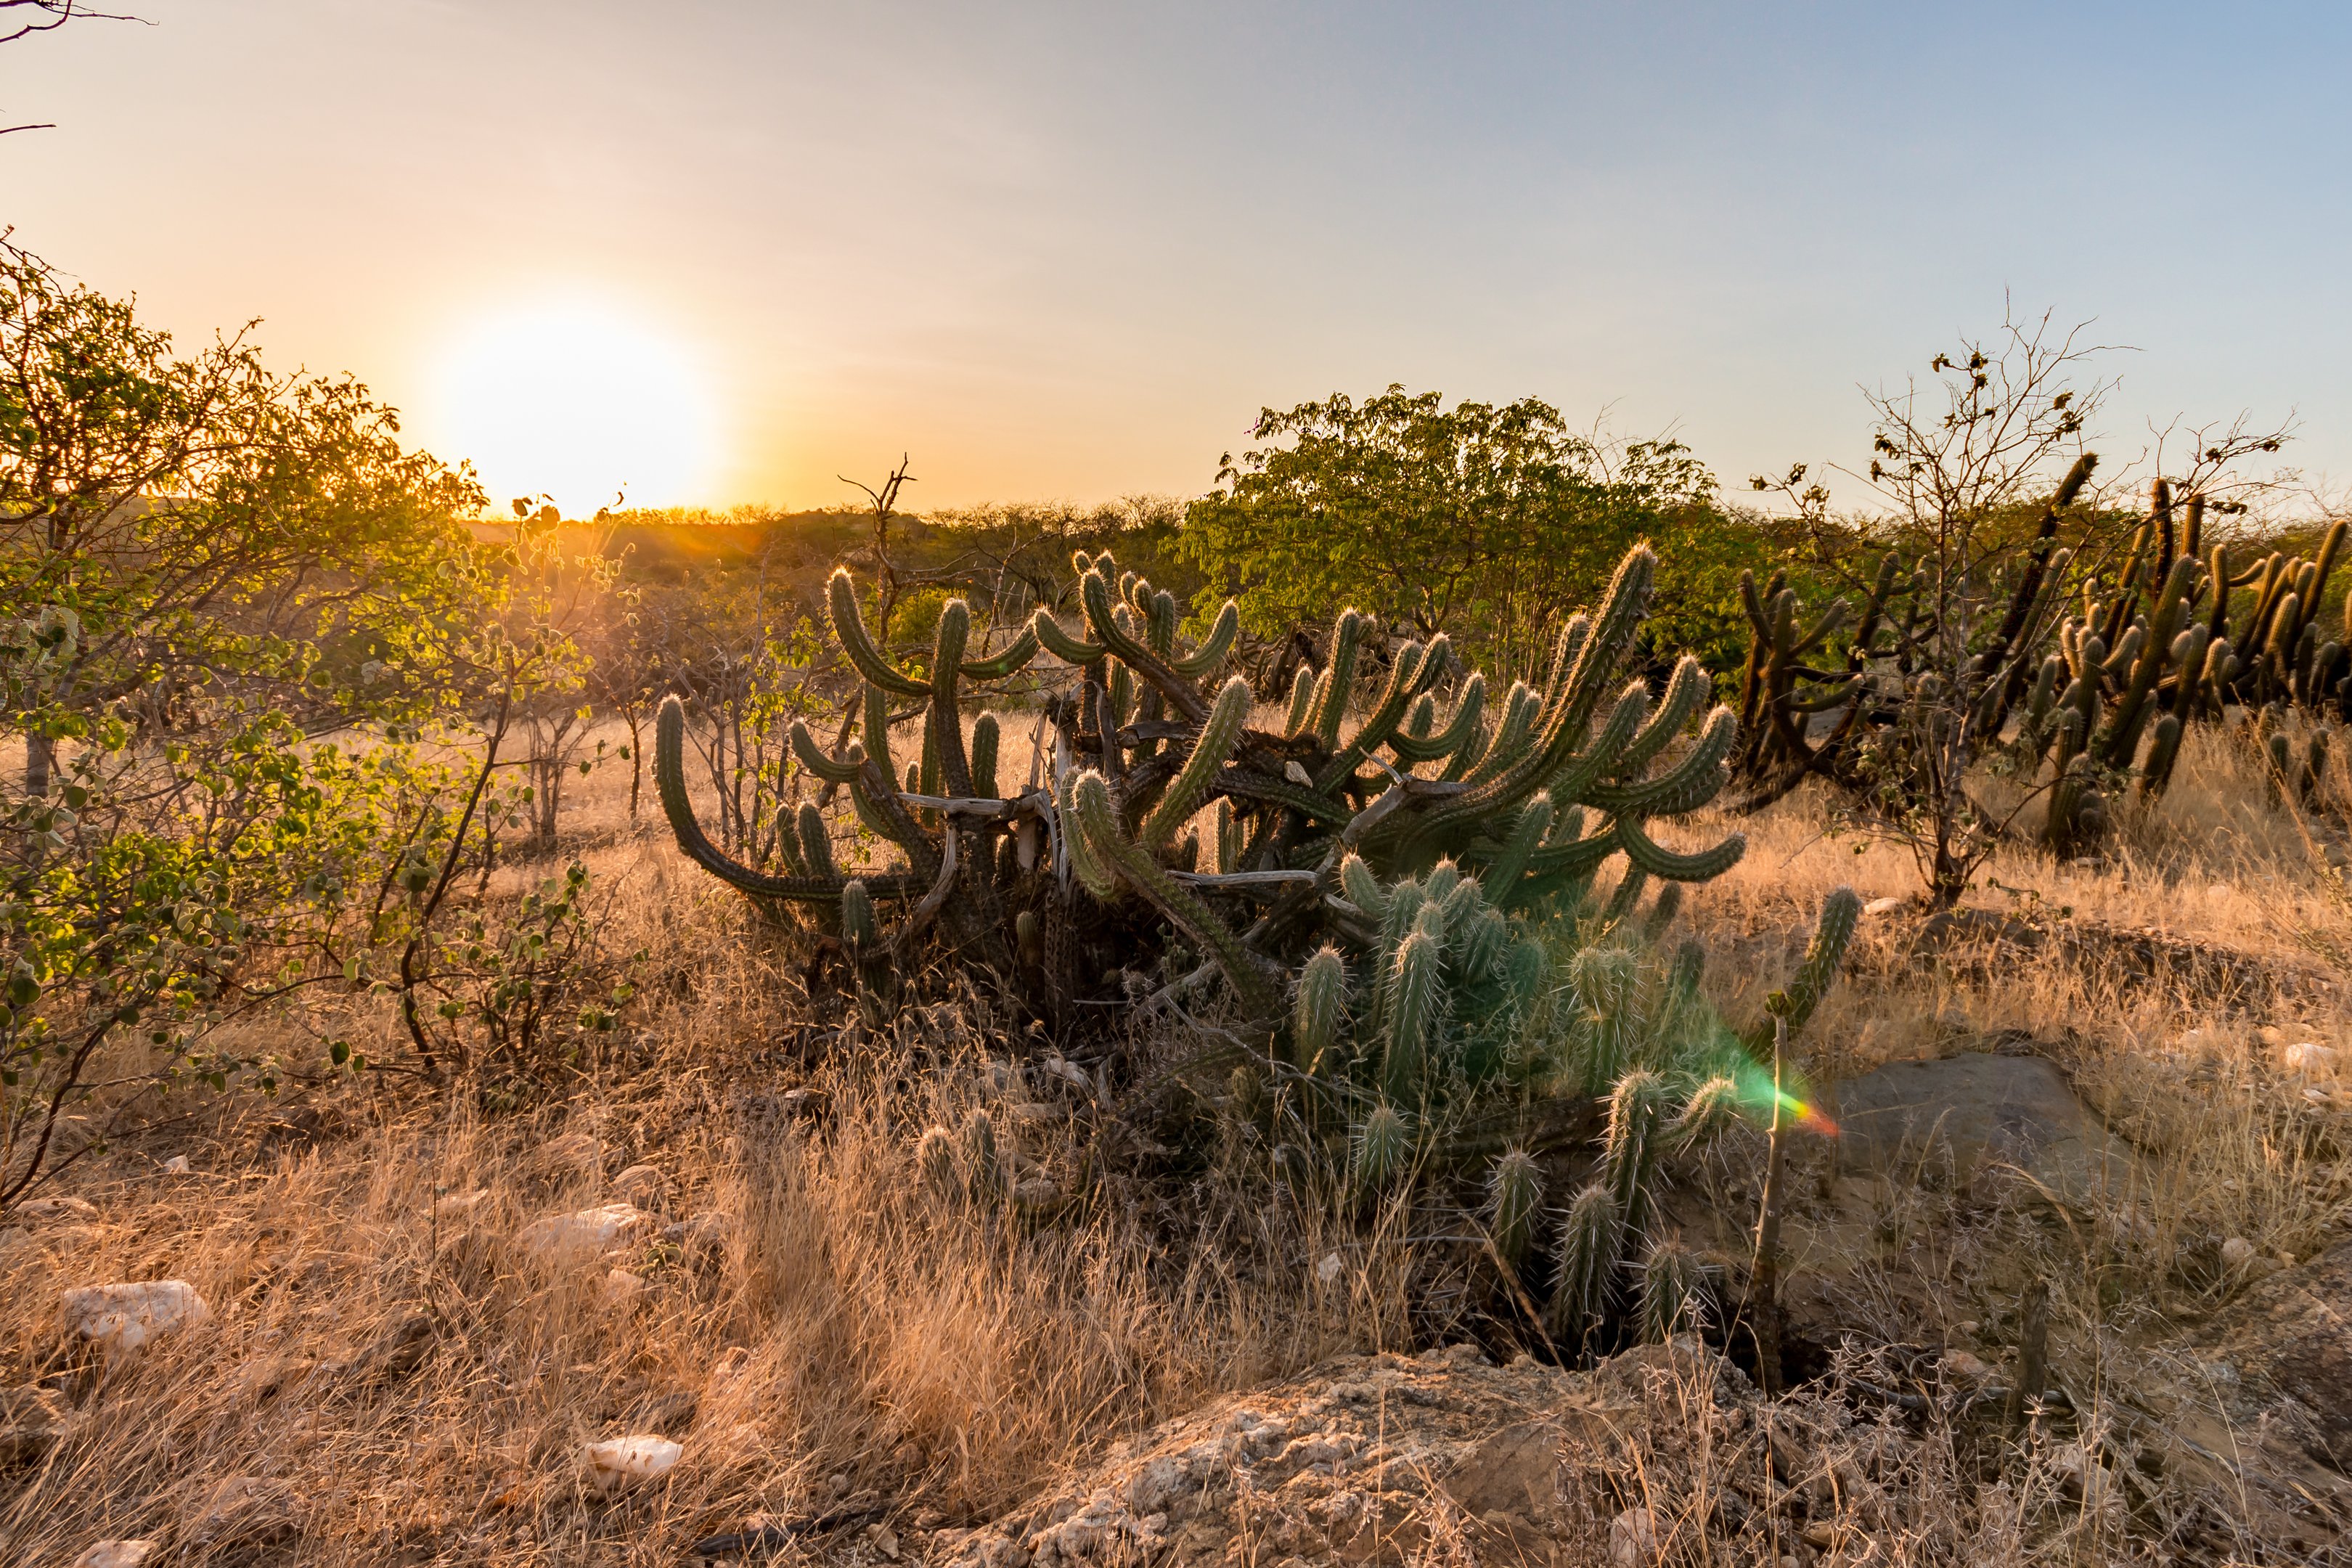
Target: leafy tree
{"x":204,"y":565}
{"x":1481,"y":520}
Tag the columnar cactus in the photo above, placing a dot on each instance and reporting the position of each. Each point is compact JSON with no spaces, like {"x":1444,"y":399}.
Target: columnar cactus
{"x":1155,"y":759}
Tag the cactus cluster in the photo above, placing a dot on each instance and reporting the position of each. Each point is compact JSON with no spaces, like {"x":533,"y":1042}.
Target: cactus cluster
{"x":2102,"y":696}
{"x":1161,"y":792}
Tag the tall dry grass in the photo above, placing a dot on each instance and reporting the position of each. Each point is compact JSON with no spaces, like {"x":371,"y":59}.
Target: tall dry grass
{"x":827,"y":1338}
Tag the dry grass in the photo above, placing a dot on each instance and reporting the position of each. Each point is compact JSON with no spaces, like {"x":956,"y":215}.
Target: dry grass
{"x":823,"y":1335}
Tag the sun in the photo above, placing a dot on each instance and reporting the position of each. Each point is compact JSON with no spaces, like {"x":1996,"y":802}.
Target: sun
{"x":581,"y":403}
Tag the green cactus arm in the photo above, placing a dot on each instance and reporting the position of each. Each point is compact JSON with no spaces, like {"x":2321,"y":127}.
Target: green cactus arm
{"x":1251,"y":785}
{"x":1587,"y":768}
{"x":1459,"y":731}
{"x":1214,"y":647}
{"x":1092,"y":873}
{"x":1012,"y":659}
{"x":1553,"y":755}
{"x":1572,"y":858}
{"x":945,"y":721}
{"x":1412,"y":1012}
{"x":849,"y":630}
{"x":1469,"y":723}
{"x":1403,"y":686}
{"x":1362,"y":888}
{"x":1685,"y":787}
{"x":669,"y":782}
{"x":1302,"y":704}
{"x":1095,"y":593}
{"x":2163,"y":752}
{"x":1160,"y":623}
{"x":1672,"y":866}
{"x":1795,"y":1001}
{"x":815,"y":839}
{"x":877,"y":725}
{"x":1253,"y":983}
{"x":985,"y":740}
{"x":1501,"y":871}
{"x":1214,"y":745}
{"x":1339,"y":677}
{"x":788,"y":844}
{"x":1686,"y":691}
{"x":811,"y":756}
{"x":1061,"y":644}
{"x":1511,"y":743}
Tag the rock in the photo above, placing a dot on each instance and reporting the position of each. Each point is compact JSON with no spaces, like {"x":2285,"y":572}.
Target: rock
{"x":177,"y":1165}
{"x":458,"y":1205}
{"x":124,"y":1317}
{"x":638,"y":1183}
{"x":1038,"y":1191}
{"x":1881,"y":906}
{"x":1975,"y":928}
{"x":1975,"y":1112}
{"x":43,"y":1209}
{"x":629,"y":1461}
{"x":1964,"y":1366}
{"x":582,"y":1234}
{"x":2237,"y":1252}
{"x":116,"y":1554}
{"x":32,"y":1420}
{"x":2290,"y":1339}
{"x":2308,"y":1057}
{"x":622,"y":1288}
{"x":700,"y":1237}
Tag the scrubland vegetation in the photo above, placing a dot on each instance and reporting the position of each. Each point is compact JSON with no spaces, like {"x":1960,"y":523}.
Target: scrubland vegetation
{"x":890,"y":1040}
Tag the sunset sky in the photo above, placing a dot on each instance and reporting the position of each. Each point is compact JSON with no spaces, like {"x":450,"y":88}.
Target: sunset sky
{"x":1068,"y":251}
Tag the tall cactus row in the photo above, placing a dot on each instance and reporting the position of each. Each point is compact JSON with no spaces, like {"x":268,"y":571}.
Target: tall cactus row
{"x":1159,"y":795}
{"x":2088,"y":678}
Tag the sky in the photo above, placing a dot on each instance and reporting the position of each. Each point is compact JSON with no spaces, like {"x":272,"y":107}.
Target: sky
{"x":728,"y":252}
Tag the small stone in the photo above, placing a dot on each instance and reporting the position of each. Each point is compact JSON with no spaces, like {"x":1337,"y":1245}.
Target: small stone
{"x":177,"y":1165}
{"x":1965,"y":1367}
{"x":124,"y":1317}
{"x":639,"y":1182}
{"x":2237,"y":1252}
{"x":626,"y":1461}
{"x":2308,"y":1057}
{"x":116,"y":1554}
{"x":1882,"y":907}
{"x":1633,"y":1538}
{"x":884,"y":1541}
{"x":570,"y":1237}
{"x":1329,"y":1269}
{"x":55,"y":1209}
{"x":1038,"y":1191}
{"x":622,"y":1288}
{"x":457,"y":1205}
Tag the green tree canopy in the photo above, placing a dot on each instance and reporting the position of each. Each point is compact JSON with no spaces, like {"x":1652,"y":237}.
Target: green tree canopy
{"x":1486,"y":522}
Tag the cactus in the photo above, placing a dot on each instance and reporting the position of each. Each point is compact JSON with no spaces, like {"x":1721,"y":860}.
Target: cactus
{"x":1365,"y":794}
{"x":987,"y":1175}
{"x":1321,"y":1010}
{"x":1383,"y":1153}
{"x":1589,"y":1236}
{"x":1514,"y":1204}
{"x":1628,"y":1149}
{"x":1674,"y":1291}
{"x":940,"y":1163}
{"x":1824,"y":958}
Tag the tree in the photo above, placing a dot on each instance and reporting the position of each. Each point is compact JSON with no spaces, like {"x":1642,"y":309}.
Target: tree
{"x":220,"y":534}
{"x":1481,"y":520}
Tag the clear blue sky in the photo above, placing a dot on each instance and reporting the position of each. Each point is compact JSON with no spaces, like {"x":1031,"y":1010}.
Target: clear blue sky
{"x":1069,"y":250}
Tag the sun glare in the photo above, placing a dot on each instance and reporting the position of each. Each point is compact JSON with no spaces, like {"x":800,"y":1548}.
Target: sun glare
{"x":581,"y":404}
